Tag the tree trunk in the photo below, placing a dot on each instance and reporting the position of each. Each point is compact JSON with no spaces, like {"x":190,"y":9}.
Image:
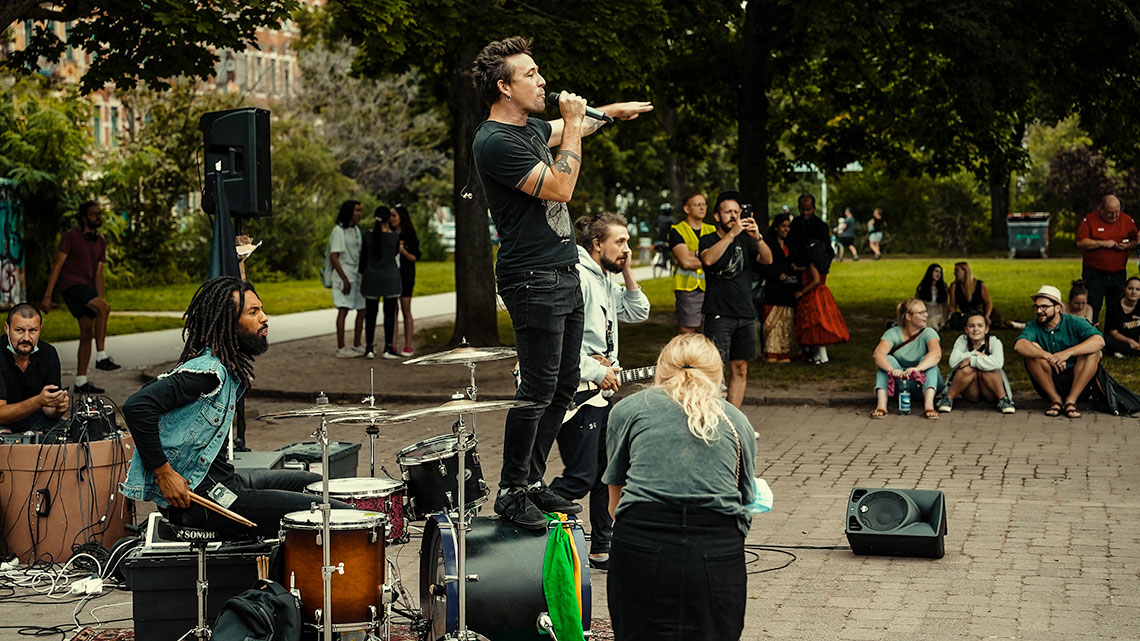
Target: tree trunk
{"x":999,"y":203}
{"x":752,"y":124}
{"x":676,"y":161}
{"x":475,"y":315}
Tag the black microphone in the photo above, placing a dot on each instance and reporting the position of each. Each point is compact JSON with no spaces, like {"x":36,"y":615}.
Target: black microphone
{"x":552,"y":100}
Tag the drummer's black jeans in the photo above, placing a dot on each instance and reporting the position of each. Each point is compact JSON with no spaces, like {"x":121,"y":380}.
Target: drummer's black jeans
{"x":263,"y":496}
{"x":546,"y":313}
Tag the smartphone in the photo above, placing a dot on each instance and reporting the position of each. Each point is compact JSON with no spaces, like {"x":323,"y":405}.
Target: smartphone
{"x":746,"y":211}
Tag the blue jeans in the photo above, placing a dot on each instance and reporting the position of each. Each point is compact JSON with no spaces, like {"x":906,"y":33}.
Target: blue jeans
{"x":933,"y":377}
{"x":1103,"y":286}
{"x":547,"y":316}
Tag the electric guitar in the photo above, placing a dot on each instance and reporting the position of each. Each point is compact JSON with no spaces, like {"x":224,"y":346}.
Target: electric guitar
{"x":597,"y":400}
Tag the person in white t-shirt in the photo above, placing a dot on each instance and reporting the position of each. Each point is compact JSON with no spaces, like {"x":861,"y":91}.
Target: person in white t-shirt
{"x":344,"y":258}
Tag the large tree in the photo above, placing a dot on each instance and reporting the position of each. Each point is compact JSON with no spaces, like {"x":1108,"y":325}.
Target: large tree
{"x":131,"y":41}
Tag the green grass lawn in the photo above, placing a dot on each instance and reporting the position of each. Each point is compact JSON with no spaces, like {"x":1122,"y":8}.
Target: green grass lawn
{"x":867,"y":292}
{"x":284,"y":297}
{"x":61,"y":326}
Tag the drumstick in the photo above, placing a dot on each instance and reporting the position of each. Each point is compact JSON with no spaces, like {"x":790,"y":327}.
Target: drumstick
{"x":263,"y":567}
{"x":210,"y":505}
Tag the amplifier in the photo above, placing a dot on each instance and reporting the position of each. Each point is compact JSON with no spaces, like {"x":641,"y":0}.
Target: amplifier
{"x":25,"y":438}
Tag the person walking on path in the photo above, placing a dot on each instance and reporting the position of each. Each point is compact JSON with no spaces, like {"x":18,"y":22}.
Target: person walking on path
{"x":689,"y":273}
{"x":876,"y":227}
{"x":1105,"y":235}
{"x":78,"y":273}
{"x":846,"y":234}
{"x":380,"y":279}
{"x":344,"y":257}
{"x":409,"y":255}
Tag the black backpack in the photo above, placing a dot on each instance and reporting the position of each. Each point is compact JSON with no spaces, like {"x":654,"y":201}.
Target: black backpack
{"x":265,"y":612}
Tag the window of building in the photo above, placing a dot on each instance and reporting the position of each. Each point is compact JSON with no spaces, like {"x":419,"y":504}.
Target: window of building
{"x":98,"y":128}
{"x":114,"y":135}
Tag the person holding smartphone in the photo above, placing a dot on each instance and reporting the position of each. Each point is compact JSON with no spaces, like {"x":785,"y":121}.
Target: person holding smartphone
{"x":31,"y":396}
{"x":1105,"y":236}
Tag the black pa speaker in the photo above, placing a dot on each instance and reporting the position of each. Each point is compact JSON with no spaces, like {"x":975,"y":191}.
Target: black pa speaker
{"x":238,"y":139}
{"x":889,"y":522}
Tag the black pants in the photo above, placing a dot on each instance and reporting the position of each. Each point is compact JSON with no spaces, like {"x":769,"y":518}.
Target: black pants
{"x":582,"y":444}
{"x":263,"y":496}
{"x":371,"y":308}
{"x":1118,"y":346}
{"x":676,"y":574}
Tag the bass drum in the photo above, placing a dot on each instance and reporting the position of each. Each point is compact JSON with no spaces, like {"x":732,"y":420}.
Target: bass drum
{"x":505,"y":602}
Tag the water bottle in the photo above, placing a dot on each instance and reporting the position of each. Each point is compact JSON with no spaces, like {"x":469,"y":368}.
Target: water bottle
{"x":904,"y":397}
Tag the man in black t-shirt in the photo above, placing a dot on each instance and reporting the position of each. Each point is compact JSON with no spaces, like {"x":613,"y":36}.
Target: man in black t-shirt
{"x":730,"y":317}
{"x":31,"y":398}
{"x":527,"y":189}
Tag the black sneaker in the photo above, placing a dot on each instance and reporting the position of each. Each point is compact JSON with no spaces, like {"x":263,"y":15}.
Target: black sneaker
{"x":516,"y":507}
{"x":600,"y":562}
{"x":547,"y":501}
{"x":89,"y":388}
{"x":106,"y":364}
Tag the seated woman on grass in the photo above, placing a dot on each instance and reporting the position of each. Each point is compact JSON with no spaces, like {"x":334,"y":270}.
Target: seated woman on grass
{"x":976,"y":372}
{"x":910,"y":351}
{"x":932,"y":291}
{"x":1078,"y":304}
{"x":1122,"y":322}
{"x":969,"y":295}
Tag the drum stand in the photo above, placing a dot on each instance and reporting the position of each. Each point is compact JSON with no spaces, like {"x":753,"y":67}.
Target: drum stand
{"x":461,"y":446}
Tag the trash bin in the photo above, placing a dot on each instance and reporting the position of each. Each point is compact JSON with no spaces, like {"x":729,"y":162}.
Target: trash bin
{"x":1028,"y":234}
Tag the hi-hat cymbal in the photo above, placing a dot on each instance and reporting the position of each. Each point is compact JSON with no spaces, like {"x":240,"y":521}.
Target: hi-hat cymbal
{"x":323,"y":410}
{"x":462,"y":406}
{"x":380,"y":417}
{"x":463,"y":355}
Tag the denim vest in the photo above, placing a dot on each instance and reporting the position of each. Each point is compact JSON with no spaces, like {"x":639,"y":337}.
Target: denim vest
{"x":191,"y":435}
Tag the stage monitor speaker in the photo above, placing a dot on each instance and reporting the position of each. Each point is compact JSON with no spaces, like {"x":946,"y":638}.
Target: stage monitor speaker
{"x":891,"y":522}
{"x":239,"y":140}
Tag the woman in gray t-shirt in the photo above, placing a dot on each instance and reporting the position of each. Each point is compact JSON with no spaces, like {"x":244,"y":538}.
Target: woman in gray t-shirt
{"x":681,"y":462}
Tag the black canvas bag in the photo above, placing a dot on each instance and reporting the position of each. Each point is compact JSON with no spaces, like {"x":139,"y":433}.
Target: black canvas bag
{"x":265,"y":612}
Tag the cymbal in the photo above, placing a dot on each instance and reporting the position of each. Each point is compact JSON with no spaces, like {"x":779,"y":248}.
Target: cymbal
{"x":463,"y":355}
{"x":379,"y":417}
{"x":462,"y":406}
{"x":317,"y":411}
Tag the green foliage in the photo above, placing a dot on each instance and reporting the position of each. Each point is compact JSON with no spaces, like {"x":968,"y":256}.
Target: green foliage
{"x":146,"y":177}
{"x":148,"y":43}
{"x":43,"y":142}
{"x":307,"y":190}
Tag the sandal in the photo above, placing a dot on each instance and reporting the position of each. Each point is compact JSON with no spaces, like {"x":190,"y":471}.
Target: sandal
{"x":878,"y":413}
{"x":1071,"y":410}
{"x":931,"y":414}
{"x":1054,"y":409}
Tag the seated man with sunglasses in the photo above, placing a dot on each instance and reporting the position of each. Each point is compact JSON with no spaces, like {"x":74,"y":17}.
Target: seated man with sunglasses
{"x":1062,"y":353}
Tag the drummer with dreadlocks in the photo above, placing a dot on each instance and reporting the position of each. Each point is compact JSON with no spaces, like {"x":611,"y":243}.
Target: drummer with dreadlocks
{"x":181,"y":421}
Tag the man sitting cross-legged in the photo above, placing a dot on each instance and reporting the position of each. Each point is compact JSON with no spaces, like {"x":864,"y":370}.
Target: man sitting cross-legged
{"x":1062,"y":353}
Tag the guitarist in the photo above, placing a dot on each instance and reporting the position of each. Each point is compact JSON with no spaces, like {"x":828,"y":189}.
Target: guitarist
{"x":603,"y":249}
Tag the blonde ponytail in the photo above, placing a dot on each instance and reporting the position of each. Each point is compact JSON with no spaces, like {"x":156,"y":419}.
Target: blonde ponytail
{"x":690,"y":371}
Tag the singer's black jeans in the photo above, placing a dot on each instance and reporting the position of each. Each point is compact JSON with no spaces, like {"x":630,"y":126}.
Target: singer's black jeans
{"x":547,"y":315}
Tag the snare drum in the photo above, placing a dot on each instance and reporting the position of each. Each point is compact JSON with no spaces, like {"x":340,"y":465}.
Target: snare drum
{"x":430,"y":469}
{"x":505,"y":601}
{"x":357,"y":540}
{"x":385,"y":496}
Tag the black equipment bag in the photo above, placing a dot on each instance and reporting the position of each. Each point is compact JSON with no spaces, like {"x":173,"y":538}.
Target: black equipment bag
{"x":1114,"y":398}
{"x":265,"y":612}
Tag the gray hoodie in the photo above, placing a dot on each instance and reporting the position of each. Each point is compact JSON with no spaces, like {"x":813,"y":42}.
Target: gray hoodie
{"x":606,"y":304}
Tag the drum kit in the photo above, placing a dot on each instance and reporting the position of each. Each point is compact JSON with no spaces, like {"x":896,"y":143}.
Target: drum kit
{"x":504,"y":568}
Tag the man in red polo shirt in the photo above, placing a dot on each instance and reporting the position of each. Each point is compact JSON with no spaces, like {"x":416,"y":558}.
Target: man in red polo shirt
{"x":1105,"y":235}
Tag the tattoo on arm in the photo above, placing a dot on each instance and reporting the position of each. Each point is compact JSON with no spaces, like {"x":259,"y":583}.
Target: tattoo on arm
{"x":538,"y":183}
{"x":562,"y":161}
{"x":593,"y":126}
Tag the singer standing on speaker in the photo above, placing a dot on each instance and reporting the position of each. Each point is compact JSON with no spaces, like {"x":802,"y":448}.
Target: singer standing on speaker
{"x":527,"y":189}
{"x":181,"y":421}
{"x":31,"y":398}
{"x":78,"y":271}
{"x":681,"y":463}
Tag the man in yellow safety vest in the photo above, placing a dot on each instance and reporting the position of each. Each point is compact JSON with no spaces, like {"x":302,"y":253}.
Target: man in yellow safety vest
{"x":689,"y":276}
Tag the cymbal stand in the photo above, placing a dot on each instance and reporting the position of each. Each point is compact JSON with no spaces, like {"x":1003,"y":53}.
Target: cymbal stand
{"x":322,"y":435}
{"x":472,"y":392}
{"x":372,"y":431}
{"x":462,"y":445}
